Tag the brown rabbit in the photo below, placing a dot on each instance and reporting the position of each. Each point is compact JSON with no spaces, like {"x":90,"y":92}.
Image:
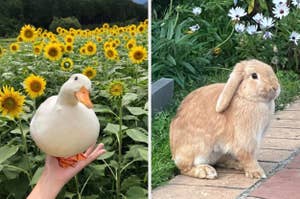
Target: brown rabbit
{"x":224,"y":123}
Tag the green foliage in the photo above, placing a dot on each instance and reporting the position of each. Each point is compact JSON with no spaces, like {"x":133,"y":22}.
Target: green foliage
{"x":186,"y":56}
{"x":15,"y":13}
{"x":67,"y":23}
{"x":122,"y":171}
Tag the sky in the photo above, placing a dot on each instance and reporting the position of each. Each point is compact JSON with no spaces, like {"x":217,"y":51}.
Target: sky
{"x":140,"y":1}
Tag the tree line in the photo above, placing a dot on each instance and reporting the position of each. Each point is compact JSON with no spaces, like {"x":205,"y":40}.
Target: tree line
{"x":15,"y":13}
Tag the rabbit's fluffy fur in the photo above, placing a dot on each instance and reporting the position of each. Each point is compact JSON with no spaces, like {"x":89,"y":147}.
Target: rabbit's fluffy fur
{"x":224,"y":123}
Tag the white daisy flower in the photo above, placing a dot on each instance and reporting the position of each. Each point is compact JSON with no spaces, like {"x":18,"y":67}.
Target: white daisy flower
{"x":257,"y":18}
{"x":296,"y":3}
{"x":252,"y":29}
{"x":236,"y":13}
{"x":279,"y":2}
{"x":294,"y":37}
{"x":267,"y":22}
{"x":281,"y":11}
{"x":268,"y":35}
{"x":197,"y":11}
{"x":194,"y":28}
{"x":239,"y":27}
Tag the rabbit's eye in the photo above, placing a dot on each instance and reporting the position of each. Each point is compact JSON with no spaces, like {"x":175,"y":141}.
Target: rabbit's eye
{"x":254,"y":76}
{"x":76,"y":78}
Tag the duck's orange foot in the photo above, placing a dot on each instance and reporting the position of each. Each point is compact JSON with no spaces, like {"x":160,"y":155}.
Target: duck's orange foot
{"x":70,"y":161}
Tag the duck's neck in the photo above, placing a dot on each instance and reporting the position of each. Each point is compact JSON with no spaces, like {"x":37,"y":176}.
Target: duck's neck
{"x":66,"y":99}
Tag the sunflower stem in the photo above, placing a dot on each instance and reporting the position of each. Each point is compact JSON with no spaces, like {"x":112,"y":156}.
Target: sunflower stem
{"x":120,"y":135}
{"x":24,"y":140}
{"x":77,"y":187}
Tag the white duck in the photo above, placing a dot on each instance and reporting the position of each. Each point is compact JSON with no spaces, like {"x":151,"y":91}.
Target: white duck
{"x":65,"y":125}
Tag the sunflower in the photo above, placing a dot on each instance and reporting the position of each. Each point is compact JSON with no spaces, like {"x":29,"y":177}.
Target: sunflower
{"x":141,"y":28}
{"x":89,"y":72}
{"x":105,"y":25}
{"x":53,"y":51}
{"x":107,"y":45}
{"x":28,"y":33}
{"x":37,"y":49}
{"x":111,"y":53}
{"x":138,"y":54}
{"x":69,"y":48}
{"x":130,"y":44}
{"x":99,"y":39}
{"x":82,"y":50}
{"x":14,"y":47}
{"x":34,"y":86}
{"x":91,"y":48}
{"x":11,"y":102}
{"x":69,"y":39}
{"x":19,"y":39}
{"x":67,"y":64}
{"x":116,"y":89}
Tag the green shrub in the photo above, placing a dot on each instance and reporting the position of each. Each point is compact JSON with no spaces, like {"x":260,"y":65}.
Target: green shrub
{"x":67,"y":23}
{"x":186,"y":55}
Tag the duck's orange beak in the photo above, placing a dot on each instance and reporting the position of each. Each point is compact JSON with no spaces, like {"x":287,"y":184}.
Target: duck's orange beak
{"x":83,"y":96}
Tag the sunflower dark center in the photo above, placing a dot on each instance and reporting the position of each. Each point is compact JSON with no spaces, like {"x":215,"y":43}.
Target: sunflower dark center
{"x":90,"y":48}
{"x":89,"y":73}
{"x":9,"y":104}
{"x":53,"y":52}
{"x":14,"y":47}
{"x":69,"y":48}
{"x":28,"y":33}
{"x":110,"y":53}
{"x":138,"y":55}
{"x":67,"y":64}
{"x":35,"y":86}
{"x":116,"y":89}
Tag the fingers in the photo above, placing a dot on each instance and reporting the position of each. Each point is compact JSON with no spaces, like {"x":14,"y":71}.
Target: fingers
{"x":89,"y":150}
{"x":97,"y":152}
{"x":93,"y":154}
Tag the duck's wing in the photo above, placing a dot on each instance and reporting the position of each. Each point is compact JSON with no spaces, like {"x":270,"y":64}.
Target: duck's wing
{"x":43,"y":109}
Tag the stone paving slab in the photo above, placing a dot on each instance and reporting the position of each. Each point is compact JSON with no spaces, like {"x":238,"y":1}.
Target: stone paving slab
{"x":282,"y":139}
{"x":282,"y":133}
{"x":280,"y":186}
{"x":193,"y":192}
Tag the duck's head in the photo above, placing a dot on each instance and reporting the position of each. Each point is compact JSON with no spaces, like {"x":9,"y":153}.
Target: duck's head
{"x":77,"y":89}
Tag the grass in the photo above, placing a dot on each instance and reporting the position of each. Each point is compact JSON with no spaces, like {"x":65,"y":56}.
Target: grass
{"x":163,"y":167}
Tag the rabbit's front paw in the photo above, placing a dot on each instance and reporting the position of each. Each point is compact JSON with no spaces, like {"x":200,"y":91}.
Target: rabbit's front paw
{"x":205,"y":171}
{"x":256,"y":173}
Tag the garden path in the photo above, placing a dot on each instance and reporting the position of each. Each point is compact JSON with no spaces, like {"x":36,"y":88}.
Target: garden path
{"x":279,"y":156}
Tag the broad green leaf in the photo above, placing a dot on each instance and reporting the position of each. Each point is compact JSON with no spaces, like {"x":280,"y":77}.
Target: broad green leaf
{"x":136,"y":192}
{"x":7,"y":151}
{"x":128,"y":98}
{"x":143,"y":153}
{"x":36,"y":175}
{"x":98,"y":169}
{"x":113,"y":128}
{"x":137,"y":111}
{"x":106,"y":155}
{"x":137,"y":135}
{"x":102,"y":109}
{"x":130,"y":182}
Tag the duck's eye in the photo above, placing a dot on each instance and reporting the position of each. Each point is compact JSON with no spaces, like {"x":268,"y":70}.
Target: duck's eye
{"x":76,"y":78}
{"x":254,"y":76}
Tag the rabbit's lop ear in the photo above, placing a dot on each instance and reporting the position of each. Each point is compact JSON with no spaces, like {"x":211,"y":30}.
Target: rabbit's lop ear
{"x":230,"y":88}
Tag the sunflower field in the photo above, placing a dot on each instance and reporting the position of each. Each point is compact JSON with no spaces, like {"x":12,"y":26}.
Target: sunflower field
{"x":35,"y":65}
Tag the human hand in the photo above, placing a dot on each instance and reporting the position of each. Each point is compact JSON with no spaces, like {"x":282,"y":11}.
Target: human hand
{"x":55,"y":177}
